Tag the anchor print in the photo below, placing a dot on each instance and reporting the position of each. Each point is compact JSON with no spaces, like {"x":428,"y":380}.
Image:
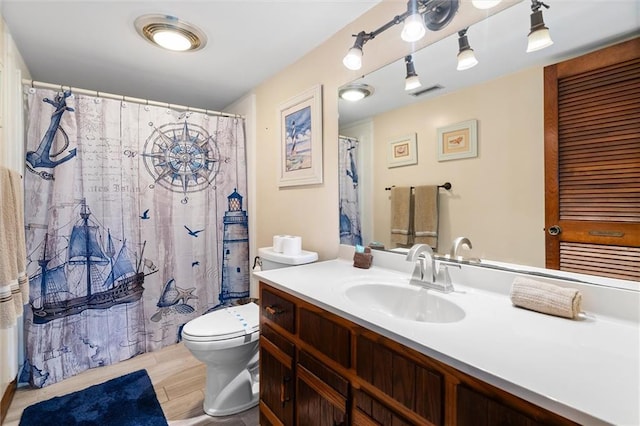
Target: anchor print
{"x":43,"y":157}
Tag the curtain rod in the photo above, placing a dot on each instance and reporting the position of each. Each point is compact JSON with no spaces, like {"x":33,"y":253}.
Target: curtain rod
{"x":61,"y":87}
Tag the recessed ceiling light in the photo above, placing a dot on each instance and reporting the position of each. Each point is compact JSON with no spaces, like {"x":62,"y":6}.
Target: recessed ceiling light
{"x":170,"y":33}
{"x":355,"y":92}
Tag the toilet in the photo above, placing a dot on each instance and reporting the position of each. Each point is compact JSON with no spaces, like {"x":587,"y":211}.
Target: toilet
{"x":226,"y":340}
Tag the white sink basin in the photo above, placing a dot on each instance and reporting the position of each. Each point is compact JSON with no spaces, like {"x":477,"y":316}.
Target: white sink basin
{"x":409,"y":303}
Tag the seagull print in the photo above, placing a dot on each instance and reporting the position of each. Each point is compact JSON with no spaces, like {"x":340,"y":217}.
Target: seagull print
{"x":145,"y":215}
{"x":193,"y":233}
{"x":196,"y":263}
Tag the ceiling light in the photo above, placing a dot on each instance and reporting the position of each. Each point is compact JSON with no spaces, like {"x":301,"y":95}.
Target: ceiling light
{"x":355,"y":92}
{"x":539,"y":36}
{"x":411,"y":81}
{"x":466,"y":57}
{"x":414,"y":28}
{"x":170,"y":33}
{"x":485,"y":4}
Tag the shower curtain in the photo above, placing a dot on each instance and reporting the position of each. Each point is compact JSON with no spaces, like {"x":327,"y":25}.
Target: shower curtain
{"x":135,"y":224}
{"x":350,"y":232}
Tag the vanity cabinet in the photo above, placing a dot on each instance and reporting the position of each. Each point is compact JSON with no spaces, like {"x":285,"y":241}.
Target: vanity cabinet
{"x":317,"y":368}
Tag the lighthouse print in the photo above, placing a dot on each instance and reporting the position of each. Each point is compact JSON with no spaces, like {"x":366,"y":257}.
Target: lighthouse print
{"x":235,"y":251}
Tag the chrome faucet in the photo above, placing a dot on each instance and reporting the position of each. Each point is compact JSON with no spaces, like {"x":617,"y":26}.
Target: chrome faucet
{"x":457,"y":243}
{"x":425,"y":273}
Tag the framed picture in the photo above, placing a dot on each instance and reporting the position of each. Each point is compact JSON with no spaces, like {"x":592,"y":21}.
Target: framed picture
{"x":300,"y":135}
{"x":458,"y":141}
{"x":402,"y":151}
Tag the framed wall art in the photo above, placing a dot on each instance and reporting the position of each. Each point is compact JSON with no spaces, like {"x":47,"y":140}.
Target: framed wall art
{"x":300,"y":121}
{"x":458,"y":141}
{"x":402,"y":151}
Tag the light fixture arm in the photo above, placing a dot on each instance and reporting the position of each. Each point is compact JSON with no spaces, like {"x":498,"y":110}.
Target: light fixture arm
{"x":537,"y":4}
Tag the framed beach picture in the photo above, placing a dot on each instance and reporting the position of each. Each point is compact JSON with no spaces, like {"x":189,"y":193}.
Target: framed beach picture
{"x":402,"y":151}
{"x":300,"y":121}
{"x":458,"y":141}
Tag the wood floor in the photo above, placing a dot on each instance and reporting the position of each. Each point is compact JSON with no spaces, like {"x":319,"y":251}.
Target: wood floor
{"x":178,"y":379}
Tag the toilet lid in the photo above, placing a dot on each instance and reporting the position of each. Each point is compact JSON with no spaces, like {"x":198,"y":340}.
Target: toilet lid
{"x":226,"y":323}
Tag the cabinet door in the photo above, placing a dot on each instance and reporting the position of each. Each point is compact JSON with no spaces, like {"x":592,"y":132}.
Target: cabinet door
{"x":321,"y":394}
{"x":415,"y":386}
{"x":368,"y":411}
{"x":477,"y":409}
{"x":276,"y":378}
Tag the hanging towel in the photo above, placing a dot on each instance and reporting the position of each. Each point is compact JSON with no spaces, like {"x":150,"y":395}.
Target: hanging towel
{"x":12,"y":248}
{"x":400,"y":214}
{"x":426,"y":215}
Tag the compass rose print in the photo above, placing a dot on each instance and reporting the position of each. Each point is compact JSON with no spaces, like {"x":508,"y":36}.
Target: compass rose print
{"x":181,"y":157}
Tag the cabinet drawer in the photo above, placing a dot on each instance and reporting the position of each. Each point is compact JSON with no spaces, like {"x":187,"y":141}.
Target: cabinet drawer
{"x":368,"y":411}
{"x":278,"y":310}
{"x":326,"y":336}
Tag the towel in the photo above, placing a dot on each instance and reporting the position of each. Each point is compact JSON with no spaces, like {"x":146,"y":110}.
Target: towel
{"x":12,"y":248}
{"x":546,"y":298}
{"x":425,"y":215}
{"x":400,"y":214}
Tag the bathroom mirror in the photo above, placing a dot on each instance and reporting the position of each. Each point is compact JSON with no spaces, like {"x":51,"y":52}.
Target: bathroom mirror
{"x":497,"y":198}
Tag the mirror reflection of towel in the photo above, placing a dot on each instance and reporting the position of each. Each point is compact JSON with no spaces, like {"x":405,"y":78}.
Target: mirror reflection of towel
{"x":400,"y":214}
{"x":425,"y":219}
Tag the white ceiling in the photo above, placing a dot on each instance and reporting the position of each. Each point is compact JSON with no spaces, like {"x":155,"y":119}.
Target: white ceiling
{"x":499,"y":42}
{"x":93,"y":44}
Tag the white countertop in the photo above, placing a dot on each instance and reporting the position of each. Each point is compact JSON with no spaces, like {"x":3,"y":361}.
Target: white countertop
{"x":587,"y":370}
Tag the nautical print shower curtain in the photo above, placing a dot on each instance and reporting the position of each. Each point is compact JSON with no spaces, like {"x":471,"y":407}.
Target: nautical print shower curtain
{"x":135,"y":224}
{"x":350,"y":232}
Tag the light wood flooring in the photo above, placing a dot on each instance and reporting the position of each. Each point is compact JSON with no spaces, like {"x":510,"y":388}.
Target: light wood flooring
{"x":178,"y":379}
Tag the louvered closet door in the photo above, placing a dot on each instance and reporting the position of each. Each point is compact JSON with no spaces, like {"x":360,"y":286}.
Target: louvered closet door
{"x":592,"y":163}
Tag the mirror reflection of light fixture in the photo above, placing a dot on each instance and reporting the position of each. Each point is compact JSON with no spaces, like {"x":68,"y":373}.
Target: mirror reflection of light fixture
{"x":411,"y":81}
{"x":355,"y":92}
{"x":485,"y":4}
{"x":539,"y":36}
{"x":170,"y":33}
{"x":414,"y":28}
{"x":466,"y":57}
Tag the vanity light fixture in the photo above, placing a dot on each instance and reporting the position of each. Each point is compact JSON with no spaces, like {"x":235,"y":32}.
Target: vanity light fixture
{"x":432,"y":14}
{"x":355,"y":92}
{"x":411,"y":81}
{"x":466,"y":57}
{"x":170,"y":32}
{"x":539,"y":36}
{"x":485,"y":4}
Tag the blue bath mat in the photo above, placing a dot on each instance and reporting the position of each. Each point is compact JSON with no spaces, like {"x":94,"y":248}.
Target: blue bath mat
{"x":127,"y":400}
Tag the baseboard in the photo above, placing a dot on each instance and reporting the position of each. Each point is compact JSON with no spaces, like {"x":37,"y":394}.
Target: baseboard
{"x":7,"y":397}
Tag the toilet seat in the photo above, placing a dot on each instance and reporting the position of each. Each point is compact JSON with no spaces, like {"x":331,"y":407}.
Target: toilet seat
{"x":238,"y":323}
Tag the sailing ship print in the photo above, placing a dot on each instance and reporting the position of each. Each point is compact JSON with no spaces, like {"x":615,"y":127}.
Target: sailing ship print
{"x":86,"y":274}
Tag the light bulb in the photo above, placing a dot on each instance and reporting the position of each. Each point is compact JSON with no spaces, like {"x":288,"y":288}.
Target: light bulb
{"x":172,"y":40}
{"x":539,"y":39}
{"x":413,"y":29}
{"x":485,"y":4}
{"x":412,"y":82}
{"x":466,"y":59}
{"x":353,"y":59}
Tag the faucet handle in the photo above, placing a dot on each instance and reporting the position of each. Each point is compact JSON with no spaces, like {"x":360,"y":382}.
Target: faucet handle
{"x":444,"y":278}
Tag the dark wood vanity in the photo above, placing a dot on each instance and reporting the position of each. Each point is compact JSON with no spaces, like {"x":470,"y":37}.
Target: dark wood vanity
{"x":317,"y":368}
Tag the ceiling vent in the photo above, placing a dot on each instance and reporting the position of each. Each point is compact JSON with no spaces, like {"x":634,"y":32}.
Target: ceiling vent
{"x":427,"y":90}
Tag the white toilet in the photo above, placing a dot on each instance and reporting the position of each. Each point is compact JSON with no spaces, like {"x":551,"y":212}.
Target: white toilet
{"x":226,"y":340}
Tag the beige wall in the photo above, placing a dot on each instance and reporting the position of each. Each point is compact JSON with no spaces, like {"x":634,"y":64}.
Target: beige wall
{"x":312,"y":212}
{"x":497,"y":199}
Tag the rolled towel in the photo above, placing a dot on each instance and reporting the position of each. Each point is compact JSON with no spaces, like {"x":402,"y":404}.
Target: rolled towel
{"x":546,"y":298}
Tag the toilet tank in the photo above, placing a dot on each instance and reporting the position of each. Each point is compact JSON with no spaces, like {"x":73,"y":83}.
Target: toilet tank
{"x":274,"y":260}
